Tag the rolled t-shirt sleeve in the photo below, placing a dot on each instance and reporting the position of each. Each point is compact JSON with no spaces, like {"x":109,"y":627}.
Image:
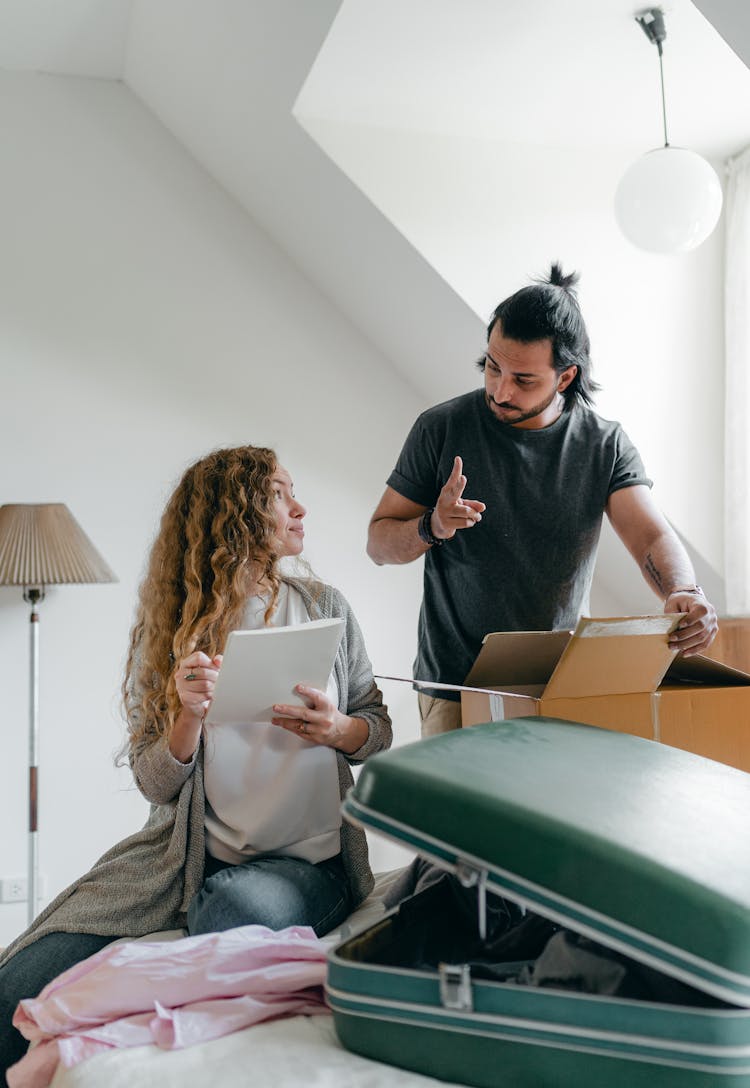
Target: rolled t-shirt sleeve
{"x":628,"y":468}
{"x":415,"y":473}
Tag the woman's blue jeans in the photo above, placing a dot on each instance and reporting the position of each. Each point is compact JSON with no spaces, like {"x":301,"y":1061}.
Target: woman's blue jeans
{"x":28,"y":972}
{"x":271,"y":891}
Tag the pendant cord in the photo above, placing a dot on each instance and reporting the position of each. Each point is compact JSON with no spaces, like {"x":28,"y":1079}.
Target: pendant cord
{"x":663,"y":97}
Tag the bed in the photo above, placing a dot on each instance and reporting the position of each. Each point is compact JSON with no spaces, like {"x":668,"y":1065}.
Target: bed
{"x":281,"y":1053}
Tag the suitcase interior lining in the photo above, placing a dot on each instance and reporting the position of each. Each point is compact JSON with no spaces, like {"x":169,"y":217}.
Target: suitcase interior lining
{"x":436,"y":927}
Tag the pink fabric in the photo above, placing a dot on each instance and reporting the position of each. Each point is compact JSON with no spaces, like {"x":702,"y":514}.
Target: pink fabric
{"x":173,"y":994}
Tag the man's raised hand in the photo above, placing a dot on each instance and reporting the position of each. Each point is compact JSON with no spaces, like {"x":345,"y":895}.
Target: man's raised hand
{"x":453,"y":511}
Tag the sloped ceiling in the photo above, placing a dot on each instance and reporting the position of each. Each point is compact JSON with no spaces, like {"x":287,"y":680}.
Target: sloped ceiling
{"x":731,"y":18}
{"x":574,"y":74}
{"x":73,"y":38}
{"x":226,"y":88}
{"x":224,"y":76}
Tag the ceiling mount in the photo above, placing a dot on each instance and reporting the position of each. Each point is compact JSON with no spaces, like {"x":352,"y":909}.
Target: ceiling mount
{"x":651,"y":22}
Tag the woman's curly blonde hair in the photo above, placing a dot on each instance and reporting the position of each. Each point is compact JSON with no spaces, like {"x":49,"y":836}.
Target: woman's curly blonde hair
{"x":215,"y":543}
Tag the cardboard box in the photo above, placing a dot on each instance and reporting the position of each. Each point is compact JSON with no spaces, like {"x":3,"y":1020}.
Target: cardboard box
{"x":617,"y":673}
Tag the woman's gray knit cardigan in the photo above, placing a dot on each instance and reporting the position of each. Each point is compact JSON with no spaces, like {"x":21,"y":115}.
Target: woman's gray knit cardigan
{"x":145,"y":883}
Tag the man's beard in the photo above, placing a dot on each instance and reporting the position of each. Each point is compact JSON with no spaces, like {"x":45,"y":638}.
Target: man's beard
{"x":522,"y":416}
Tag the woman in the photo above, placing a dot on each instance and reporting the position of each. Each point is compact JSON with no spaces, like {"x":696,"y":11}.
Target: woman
{"x":216,"y":851}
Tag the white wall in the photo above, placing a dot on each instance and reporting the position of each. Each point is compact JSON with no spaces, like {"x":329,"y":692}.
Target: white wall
{"x":489,"y":216}
{"x":226,"y":87}
{"x":145,"y":320}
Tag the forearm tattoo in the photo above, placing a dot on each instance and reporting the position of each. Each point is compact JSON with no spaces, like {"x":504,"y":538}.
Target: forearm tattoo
{"x":653,"y":572}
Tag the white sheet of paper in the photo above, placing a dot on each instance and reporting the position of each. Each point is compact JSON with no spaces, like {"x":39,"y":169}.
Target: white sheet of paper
{"x":262,"y":667}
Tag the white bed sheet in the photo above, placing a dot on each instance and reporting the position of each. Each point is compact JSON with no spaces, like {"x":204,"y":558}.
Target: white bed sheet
{"x":299,"y":1050}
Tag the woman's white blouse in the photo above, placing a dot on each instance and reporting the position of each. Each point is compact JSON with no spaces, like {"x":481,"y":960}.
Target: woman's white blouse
{"x":268,"y":790}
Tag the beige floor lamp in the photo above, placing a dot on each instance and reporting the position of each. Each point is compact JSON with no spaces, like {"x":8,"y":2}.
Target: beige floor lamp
{"x":42,"y":545}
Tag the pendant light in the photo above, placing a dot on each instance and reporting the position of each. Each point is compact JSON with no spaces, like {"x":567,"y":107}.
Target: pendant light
{"x":669,"y":200}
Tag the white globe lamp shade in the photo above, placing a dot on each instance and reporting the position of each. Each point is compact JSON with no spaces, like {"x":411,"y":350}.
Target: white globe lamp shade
{"x":668,"y":201}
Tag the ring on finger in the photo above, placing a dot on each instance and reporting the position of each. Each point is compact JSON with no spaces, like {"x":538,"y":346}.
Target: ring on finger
{"x":190,"y":676}
{"x":303,"y":728}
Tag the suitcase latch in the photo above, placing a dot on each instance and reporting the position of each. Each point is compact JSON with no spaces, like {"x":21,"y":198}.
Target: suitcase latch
{"x":469,"y":876}
{"x":455,"y":986}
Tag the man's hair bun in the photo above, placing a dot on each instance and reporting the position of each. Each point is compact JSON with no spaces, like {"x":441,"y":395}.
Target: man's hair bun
{"x":558,"y":279}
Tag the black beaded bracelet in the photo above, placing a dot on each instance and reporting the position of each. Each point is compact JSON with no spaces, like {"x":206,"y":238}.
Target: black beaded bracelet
{"x":424,"y":528}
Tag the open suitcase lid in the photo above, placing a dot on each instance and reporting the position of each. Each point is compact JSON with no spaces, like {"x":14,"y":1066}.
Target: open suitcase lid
{"x":642,"y":847}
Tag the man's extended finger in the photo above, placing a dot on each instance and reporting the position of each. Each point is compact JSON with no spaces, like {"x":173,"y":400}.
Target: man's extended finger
{"x":453,"y":486}
{"x":455,"y":476}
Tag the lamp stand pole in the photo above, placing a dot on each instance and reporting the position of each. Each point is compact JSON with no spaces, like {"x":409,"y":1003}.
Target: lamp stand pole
{"x":33,"y":596}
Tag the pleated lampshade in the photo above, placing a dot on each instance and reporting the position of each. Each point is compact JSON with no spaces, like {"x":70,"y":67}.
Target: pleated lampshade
{"x":43,"y":544}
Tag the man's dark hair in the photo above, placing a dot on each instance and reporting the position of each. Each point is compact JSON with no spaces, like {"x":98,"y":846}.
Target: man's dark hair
{"x":549,"y":310}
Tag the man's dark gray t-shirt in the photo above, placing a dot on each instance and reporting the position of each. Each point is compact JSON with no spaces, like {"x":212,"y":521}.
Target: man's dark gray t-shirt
{"x":527,"y":566}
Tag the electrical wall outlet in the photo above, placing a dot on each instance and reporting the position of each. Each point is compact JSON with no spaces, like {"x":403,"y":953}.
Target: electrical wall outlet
{"x":15,"y":889}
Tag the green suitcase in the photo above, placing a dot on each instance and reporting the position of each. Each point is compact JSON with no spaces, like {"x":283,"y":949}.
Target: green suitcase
{"x":638,"y":847}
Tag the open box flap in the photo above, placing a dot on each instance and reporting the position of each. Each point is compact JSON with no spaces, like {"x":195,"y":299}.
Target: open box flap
{"x":614,"y":656}
{"x":704,"y":670}
{"x":517,"y":657}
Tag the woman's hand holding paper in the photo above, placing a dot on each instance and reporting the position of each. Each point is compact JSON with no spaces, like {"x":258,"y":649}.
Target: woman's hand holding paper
{"x":321,"y":722}
{"x":194,"y":678}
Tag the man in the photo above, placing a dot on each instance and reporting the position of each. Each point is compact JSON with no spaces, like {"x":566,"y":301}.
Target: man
{"x":542,"y":468}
